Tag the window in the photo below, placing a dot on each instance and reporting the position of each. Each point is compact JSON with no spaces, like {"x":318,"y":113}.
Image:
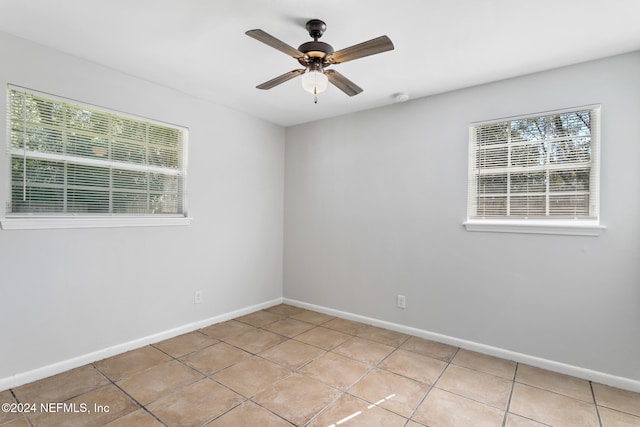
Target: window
{"x":73,"y":165}
{"x":536,"y":174}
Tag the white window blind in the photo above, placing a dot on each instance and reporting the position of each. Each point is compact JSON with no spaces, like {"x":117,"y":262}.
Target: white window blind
{"x":543,"y":167}
{"x":68,"y":159}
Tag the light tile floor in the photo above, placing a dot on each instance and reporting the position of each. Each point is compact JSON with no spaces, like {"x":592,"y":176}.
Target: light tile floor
{"x":288,"y":366}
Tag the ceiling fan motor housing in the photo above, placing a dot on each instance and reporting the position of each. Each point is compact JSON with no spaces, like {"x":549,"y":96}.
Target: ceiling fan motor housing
{"x":316,"y":49}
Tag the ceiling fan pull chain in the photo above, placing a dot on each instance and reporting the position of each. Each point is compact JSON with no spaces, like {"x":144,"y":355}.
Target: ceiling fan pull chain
{"x":315,"y":96}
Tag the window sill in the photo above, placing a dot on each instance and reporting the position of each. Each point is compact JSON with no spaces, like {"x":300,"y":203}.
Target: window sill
{"x":44,"y":223}
{"x":564,"y":227}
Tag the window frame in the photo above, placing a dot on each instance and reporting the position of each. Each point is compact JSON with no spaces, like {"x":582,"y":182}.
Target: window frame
{"x":581,"y":226}
{"x":52,"y":220}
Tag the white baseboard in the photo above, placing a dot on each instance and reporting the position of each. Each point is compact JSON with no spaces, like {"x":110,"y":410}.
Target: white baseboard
{"x":65,"y":365}
{"x":75,"y":362}
{"x":575,"y":371}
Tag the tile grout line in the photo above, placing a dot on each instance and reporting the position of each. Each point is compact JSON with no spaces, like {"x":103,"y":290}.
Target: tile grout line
{"x":246,"y":399}
{"x":24,"y":415}
{"x":177,"y":359}
{"x":595,"y":403}
{"x":344,"y":392}
{"x":210,"y":420}
{"x":371,"y":368}
{"x":451,"y":362}
{"x":207,"y":377}
{"x":291,"y":372}
{"x":513,"y":386}
{"x":140,"y":405}
{"x":539,"y":387}
{"x":251,"y":399}
{"x":432,"y":386}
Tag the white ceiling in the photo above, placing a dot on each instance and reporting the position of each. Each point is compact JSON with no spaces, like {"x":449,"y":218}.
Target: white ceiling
{"x":199,"y":46}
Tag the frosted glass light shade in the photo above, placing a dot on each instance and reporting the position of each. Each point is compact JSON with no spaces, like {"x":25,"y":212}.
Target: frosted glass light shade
{"x":314,"y":81}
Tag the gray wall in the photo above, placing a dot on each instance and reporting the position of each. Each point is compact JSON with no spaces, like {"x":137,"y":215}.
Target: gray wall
{"x":374,"y":205}
{"x":68,"y":293}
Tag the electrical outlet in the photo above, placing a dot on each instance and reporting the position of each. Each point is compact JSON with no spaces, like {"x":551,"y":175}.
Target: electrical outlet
{"x":401,"y":301}
{"x":197,"y":298}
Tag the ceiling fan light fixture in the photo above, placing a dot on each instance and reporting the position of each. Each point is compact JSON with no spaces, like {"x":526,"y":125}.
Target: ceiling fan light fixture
{"x":314,"y":80}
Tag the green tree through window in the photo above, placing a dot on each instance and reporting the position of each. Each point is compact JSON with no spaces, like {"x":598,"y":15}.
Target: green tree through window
{"x":535,"y":167}
{"x":77,"y":159}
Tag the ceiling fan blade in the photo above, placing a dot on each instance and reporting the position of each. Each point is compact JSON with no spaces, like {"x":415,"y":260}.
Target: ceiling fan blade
{"x":371,"y":47}
{"x":268,"y":39}
{"x":280,"y":79}
{"x":342,"y":83}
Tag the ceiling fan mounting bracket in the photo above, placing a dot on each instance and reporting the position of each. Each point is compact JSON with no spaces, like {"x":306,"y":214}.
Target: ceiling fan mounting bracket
{"x":316,"y":28}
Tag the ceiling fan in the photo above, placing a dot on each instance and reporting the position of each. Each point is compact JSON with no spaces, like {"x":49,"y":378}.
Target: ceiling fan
{"x":315,"y":56}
